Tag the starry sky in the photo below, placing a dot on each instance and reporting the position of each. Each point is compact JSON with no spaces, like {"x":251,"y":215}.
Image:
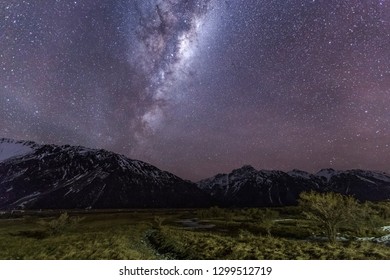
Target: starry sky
{"x":199,"y":87}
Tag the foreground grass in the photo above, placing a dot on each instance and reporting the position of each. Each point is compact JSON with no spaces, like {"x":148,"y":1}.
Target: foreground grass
{"x":184,"y":244}
{"x":159,"y":235}
{"x":100,"y":236}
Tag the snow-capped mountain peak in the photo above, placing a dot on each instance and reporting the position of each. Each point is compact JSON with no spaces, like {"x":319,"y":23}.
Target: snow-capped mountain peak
{"x":327,"y":173}
{"x":247,"y":187}
{"x":299,"y":173}
{"x":10,"y":148}
{"x":61,"y":177}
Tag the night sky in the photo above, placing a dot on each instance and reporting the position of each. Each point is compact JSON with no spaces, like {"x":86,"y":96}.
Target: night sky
{"x":202,"y":87}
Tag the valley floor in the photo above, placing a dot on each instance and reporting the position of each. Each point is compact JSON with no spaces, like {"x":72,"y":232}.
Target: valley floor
{"x":175,"y":234}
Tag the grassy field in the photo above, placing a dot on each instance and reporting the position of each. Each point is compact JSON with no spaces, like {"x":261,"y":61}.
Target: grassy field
{"x":97,"y":236}
{"x":178,"y":234}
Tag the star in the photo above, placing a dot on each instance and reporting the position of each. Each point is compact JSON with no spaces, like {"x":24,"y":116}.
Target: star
{"x":202,"y":87}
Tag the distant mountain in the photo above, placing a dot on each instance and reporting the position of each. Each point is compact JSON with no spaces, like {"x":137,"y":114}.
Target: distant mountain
{"x":36,"y":176}
{"x":248,"y":187}
{"x":362,"y":184}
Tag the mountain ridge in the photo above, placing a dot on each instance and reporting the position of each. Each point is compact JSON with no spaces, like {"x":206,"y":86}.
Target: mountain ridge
{"x":34,"y":176}
{"x":51,"y":176}
{"x":248,"y":187}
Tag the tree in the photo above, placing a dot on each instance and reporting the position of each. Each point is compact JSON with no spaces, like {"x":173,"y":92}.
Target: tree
{"x":266,"y":217}
{"x":329,"y":210}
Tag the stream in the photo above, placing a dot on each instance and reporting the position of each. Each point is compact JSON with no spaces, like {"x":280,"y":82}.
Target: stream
{"x":194,"y":224}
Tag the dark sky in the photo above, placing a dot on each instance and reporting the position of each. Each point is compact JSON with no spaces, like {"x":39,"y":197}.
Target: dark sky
{"x":202,"y":87}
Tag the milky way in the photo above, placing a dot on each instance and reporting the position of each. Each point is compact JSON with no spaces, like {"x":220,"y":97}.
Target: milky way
{"x":202,"y":87}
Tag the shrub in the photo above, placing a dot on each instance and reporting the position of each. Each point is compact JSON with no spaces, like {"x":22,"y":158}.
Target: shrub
{"x":265,"y":217}
{"x":367,"y":220}
{"x":158,"y":221}
{"x":330,"y":210}
{"x":60,"y":224}
{"x":382,"y":208}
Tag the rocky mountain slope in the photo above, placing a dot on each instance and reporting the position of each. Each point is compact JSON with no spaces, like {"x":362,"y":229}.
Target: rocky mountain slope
{"x":248,"y":187}
{"x":57,"y":177}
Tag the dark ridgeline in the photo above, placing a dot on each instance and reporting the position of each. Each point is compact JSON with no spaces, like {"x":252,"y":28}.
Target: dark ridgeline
{"x":67,"y":177}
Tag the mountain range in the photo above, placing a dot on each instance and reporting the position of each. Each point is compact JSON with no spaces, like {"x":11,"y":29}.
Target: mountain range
{"x":248,"y":187}
{"x":34,"y":176}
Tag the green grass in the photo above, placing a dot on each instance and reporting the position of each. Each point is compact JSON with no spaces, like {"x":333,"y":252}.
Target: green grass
{"x":157,"y":234}
{"x":99,"y":236}
{"x":185,"y":244}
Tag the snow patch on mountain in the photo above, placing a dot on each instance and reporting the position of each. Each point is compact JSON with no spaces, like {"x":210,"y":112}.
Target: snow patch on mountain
{"x":22,"y":202}
{"x":380,"y":176}
{"x":327,"y":173}
{"x":60,"y":177}
{"x":10,"y":149}
{"x":299,"y":174}
{"x":366,"y":180}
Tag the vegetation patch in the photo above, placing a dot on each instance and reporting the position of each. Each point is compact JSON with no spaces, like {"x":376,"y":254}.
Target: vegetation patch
{"x":250,"y":233}
{"x":184,"y":244}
